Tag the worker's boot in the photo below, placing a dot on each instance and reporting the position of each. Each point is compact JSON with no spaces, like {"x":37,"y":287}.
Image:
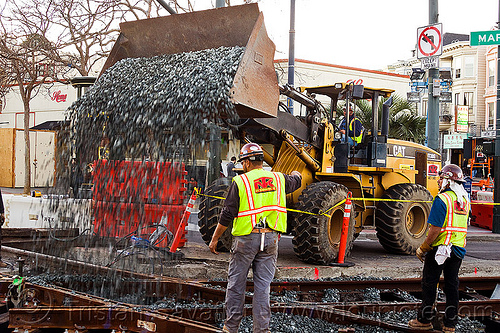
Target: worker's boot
{"x":414,"y":323}
{"x":448,"y":329}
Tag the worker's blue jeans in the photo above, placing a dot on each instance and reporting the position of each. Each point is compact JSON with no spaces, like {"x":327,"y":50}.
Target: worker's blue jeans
{"x":246,"y":253}
{"x":351,"y":141}
{"x":430,"y":278}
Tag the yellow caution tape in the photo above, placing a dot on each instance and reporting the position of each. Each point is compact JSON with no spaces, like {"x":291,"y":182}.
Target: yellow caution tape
{"x":375,"y":199}
{"x":342,"y":202}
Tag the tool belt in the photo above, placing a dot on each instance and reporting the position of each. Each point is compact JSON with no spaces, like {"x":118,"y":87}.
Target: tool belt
{"x":261,"y":230}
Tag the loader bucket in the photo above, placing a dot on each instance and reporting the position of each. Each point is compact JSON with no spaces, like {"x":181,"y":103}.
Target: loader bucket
{"x":255,"y":91}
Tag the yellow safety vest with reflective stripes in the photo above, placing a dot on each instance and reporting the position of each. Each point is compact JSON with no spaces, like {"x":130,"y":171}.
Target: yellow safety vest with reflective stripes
{"x":454,"y":229}
{"x":262,"y":195}
{"x":355,"y":138}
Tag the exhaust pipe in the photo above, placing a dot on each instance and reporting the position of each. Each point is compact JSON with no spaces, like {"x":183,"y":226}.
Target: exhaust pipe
{"x":385,"y":118}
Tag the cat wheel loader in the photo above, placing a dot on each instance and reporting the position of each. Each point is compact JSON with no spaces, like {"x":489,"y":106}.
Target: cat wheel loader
{"x":402,"y":173}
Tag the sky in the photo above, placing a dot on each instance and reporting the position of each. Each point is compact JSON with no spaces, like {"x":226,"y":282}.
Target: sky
{"x":366,"y":33}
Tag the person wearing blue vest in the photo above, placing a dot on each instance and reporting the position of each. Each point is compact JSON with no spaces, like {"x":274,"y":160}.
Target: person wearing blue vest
{"x":444,"y":248}
{"x":256,"y":205}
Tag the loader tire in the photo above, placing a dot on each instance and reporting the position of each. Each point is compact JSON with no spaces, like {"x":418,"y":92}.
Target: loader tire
{"x":317,"y":237}
{"x":210,"y":209}
{"x":402,"y":226}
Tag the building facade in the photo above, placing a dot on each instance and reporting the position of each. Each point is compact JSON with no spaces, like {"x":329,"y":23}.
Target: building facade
{"x":472,"y":73}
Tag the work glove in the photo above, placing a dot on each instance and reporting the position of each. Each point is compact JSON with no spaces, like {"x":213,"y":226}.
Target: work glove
{"x":422,"y":250}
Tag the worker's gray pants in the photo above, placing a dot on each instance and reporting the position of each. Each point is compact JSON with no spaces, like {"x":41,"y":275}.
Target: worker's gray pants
{"x":245,"y":253}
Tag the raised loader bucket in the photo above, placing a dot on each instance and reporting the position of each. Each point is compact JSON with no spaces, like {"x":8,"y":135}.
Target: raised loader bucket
{"x":255,"y":91}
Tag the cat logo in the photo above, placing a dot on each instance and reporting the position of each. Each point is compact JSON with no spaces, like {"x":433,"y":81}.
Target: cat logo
{"x":264,"y":184}
{"x":398,"y":151}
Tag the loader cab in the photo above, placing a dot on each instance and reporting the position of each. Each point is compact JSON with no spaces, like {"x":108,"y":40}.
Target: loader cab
{"x":372,"y":150}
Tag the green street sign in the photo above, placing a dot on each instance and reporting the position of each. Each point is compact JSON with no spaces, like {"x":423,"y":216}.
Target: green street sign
{"x":491,"y":37}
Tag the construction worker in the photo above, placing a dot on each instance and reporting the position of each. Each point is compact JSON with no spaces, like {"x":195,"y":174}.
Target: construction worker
{"x":230,"y":166}
{"x":256,"y":205}
{"x":356,"y":129}
{"x":444,"y":248}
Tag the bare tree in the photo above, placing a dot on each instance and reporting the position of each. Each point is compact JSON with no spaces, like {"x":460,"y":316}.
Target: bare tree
{"x":86,"y":32}
{"x":26,"y":58}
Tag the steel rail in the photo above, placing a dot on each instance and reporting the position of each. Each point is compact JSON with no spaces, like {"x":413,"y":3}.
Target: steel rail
{"x":409,"y":285}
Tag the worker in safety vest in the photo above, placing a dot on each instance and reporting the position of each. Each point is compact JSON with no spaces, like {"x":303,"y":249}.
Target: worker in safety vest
{"x":256,"y":207}
{"x":355,"y":127}
{"x":444,"y":248}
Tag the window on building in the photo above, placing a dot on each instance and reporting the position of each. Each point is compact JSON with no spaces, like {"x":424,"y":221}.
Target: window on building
{"x":469,"y":101}
{"x":457,"y":99}
{"x":457,"y":64}
{"x":424,"y":107}
{"x":491,"y":73}
{"x":491,"y":115}
{"x":469,"y":67}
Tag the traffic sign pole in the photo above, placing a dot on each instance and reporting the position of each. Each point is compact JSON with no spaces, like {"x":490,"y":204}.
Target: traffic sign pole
{"x":496,"y":209}
{"x":433,"y":101}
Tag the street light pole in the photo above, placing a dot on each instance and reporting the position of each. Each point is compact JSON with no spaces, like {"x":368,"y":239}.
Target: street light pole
{"x":433,"y":101}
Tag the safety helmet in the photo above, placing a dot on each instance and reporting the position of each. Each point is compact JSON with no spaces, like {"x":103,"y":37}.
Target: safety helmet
{"x":251,"y":151}
{"x":453,"y":172}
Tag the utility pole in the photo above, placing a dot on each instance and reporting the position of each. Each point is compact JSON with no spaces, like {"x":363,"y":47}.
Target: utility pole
{"x":433,"y":101}
{"x":496,"y":209}
{"x":214,"y":160}
{"x":291,"y":53}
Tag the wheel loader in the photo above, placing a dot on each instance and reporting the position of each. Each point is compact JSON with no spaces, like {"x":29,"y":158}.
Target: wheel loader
{"x":401,"y":173}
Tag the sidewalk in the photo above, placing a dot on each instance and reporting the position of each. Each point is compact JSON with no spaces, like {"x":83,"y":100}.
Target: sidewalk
{"x":20,"y":190}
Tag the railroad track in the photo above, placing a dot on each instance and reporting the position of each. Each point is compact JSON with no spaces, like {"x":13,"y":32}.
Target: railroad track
{"x":196,"y":306}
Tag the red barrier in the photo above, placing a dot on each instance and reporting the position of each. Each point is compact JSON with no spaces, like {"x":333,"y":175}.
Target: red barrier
{"x":185,"y":217}
{"x":114,"y":219}
{"x":161,"y":183}
{"x":345,"y":229}
{"x":133,"y":195}
{"x":482,"y":214}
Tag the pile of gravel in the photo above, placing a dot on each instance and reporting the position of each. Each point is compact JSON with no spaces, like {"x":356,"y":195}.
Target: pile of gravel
{"x":154,"y":107}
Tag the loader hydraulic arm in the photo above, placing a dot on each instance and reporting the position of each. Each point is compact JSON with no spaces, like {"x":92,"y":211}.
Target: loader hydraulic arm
{"x":288,"y":91}
{"x":301,"y":153}
{"x":312,"y":119}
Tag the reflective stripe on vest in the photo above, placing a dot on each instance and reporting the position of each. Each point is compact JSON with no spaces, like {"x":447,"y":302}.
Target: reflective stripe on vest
{"x":358,"y":138}
{"x":271,"y":204}
{"x":454,"y":229}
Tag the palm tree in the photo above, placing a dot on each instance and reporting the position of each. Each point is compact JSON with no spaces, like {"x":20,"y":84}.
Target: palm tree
{"x":404,"y":122}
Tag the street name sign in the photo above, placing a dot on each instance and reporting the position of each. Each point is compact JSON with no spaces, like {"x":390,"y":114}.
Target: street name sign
{"x":491,"y":37}
{"x":430,"y":62}
{"x":430,"y":41}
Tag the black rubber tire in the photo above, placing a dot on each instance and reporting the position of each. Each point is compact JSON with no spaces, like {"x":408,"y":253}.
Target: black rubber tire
{"x":317,"y":238}
{"x":210,"y":209}
{"x":402,"y":226}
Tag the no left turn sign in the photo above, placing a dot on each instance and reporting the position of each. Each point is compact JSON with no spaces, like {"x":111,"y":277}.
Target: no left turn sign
{"x":429,"y":41}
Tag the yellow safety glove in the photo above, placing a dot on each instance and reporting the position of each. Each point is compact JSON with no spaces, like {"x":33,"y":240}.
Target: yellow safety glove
{"x":422,"y":250}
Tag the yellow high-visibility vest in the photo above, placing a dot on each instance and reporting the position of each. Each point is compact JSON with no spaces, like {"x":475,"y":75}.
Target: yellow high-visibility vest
{"x":454,"y":229}
{"x":355,"y":138}
{"x":262,"y":195}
